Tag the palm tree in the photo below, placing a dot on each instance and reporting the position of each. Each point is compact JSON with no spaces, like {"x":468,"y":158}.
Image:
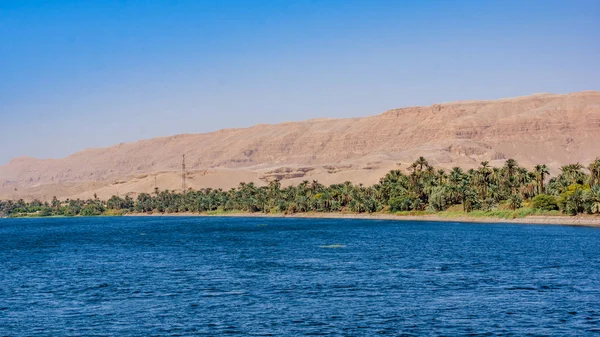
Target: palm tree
{"x":455,"y":183}
{"x":421,"y":162}
{"x":441,"y":174}
{"x":594,"y":169}
{"x":572,"y":173}
{"x":511,"y":167}
{"x":481,"y":188}
{"x":484,"y":174}
{"x":55,"y":203}
{"x":541,"y":171}
{"x":594,"y":199}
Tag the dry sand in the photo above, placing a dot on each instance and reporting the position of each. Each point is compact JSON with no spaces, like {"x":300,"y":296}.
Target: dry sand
{"x":581,"y":220}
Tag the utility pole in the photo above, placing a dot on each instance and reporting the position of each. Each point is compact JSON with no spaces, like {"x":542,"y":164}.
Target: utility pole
{"x":183,"y":174}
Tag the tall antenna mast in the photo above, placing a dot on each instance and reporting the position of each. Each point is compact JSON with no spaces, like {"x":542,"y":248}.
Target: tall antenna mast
{"x":183,"y":174}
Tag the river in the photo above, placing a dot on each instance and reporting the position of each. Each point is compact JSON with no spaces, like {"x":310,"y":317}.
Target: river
{"x":180,"y":276}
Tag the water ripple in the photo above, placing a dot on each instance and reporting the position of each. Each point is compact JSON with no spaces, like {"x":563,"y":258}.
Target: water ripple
{"x":272,"y":277}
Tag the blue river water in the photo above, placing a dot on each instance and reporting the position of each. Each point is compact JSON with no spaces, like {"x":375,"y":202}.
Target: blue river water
{"x":180,"y":276}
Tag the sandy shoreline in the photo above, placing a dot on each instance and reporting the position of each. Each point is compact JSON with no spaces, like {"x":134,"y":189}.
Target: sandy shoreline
{"x":590,"y":221}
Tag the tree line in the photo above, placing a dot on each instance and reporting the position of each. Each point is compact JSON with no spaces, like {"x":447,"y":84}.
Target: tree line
{"x":418,"y":188}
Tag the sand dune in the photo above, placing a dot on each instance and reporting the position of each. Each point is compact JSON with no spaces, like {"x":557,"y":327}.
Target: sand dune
{"x":541,"y":128}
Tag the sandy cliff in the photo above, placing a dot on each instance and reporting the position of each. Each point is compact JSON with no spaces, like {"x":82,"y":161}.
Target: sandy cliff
{"x":542,"y":128}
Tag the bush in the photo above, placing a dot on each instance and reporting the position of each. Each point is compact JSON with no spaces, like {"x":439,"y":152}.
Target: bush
{"x":489,"y":204}
{"x":515,"y":202}
{"x":113,"y":212}
{"x":92,"y":210}
{"x":404,"y":203}
{"x":572,"y":201}
{"x":45,"y":211}
{"x":545,"y":202}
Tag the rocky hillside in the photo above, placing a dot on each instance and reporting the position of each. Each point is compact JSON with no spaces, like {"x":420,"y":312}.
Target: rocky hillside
{"x":542,"y":128}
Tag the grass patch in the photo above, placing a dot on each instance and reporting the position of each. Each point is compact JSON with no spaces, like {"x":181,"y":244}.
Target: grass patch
{"x":499,"y":213}
{"x":113,"y":212}
{"x":412,"y":213}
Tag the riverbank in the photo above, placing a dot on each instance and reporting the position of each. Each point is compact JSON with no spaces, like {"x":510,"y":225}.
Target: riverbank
{"x":565,"y":220}
{"x":539,"y":219}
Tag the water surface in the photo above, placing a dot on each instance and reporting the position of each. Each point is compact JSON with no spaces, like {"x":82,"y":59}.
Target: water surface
{"x":253,"y":276}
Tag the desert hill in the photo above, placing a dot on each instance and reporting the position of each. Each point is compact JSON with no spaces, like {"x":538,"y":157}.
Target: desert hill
{"x":541,"y":128}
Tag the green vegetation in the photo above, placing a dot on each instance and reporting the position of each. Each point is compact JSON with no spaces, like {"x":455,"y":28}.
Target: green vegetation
{"x":499,"y":213}
{"x":507,"y":192}
{"x":545,"y":202}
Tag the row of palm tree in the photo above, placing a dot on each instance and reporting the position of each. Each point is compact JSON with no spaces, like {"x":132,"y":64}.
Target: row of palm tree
{"x":421,"y":187}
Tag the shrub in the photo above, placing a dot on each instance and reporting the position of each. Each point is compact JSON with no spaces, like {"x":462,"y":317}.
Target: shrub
{"x":45,"y":211}
{"x":572,"y":201}
{"x":92,"y":209}
{"x":403,"y":203}
{"x":545,"y":202}
{"x":489,"y":204}
{"x":113,"y":212}
{"x":515,"y":201}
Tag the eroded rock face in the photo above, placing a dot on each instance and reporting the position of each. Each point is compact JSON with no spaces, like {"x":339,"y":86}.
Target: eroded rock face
{"x":543,"y":128}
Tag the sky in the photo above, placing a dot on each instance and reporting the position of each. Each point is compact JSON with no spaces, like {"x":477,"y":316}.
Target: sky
{"x":83,"y":74}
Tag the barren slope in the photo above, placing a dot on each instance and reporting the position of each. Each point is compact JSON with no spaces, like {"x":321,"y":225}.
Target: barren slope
{"x":542,"y":128}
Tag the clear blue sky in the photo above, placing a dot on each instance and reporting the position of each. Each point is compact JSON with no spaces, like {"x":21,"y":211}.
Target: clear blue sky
{"x":80,"y":74}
